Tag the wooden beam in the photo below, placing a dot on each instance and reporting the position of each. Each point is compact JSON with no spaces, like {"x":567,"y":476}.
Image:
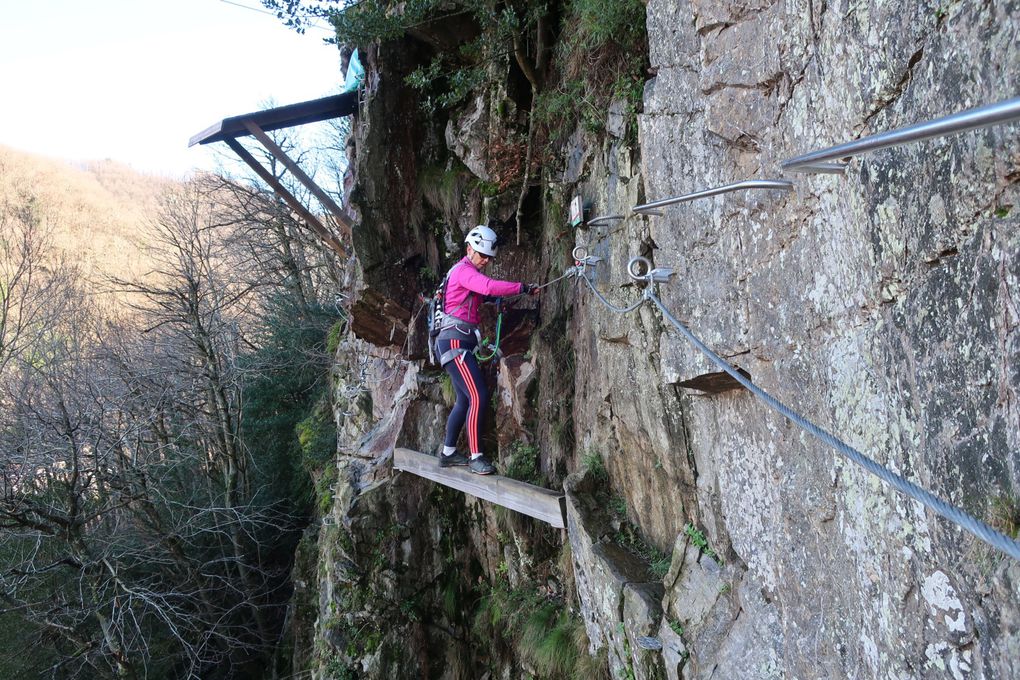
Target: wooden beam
{"x":342,"y":218}
{"x":534,"y":501}
{"x":334,"y":106}
{"x":295,"y":205}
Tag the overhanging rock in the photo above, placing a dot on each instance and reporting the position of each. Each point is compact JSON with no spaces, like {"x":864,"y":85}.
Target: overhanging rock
{"x":379,"y":320}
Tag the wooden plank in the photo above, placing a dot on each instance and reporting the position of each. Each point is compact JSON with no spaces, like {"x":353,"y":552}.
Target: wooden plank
{"x":295,"y":205}
{"x":342,"y":218}
{"x":534,"y":501}
{"x":290,"y":115}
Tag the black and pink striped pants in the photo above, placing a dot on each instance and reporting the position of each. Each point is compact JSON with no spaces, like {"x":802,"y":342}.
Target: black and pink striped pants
{"x":472,"y":395}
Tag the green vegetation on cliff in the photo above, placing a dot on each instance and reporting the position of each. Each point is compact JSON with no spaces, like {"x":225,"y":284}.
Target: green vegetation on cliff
{"x":475,"y":107}
{"x":549,"y":639}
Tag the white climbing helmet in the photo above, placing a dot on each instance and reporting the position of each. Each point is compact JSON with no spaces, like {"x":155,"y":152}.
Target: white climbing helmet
{"x":482,"y":239}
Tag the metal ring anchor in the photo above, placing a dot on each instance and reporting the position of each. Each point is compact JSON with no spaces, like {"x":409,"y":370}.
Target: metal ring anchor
{"x":640,"y":269}
{"x":582,"y":259}
{"x":639,"y":275}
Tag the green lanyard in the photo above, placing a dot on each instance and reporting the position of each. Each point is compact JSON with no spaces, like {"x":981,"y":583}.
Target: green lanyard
{"x":485,"y":342}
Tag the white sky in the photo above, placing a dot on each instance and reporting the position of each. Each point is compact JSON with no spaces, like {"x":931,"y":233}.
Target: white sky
{"x":133,"y":80}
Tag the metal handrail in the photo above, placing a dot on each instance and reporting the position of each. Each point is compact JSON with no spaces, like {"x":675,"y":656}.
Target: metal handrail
{"x":971,"y":119}
{"x":777,"y":184}
{"x":598,"y":221}
{"x":835,"y":168}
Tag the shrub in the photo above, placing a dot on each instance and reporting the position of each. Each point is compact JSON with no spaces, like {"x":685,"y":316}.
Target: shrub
{"x":287,"y":419}
{"x":1006,"y":514}
{"x":316,"y":436}
{"x":698,"y":538}
{"x":335,"y":335}
{"x":601,"y":22}
{"x":540,"y":630}
{"x":523,"y":463}
{"x":555,"y":651}
{"x":446,"y":388}
{"x":595,"y":467}
{"x":603,"y":56}
{"x":630,"y":539}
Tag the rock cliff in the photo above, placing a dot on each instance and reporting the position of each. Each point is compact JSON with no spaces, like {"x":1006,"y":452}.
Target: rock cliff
{"x":707,"y":535}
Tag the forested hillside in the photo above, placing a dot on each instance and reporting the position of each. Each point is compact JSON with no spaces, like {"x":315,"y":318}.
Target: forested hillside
{"x":95,"y":213}
{"x":161,"y":345}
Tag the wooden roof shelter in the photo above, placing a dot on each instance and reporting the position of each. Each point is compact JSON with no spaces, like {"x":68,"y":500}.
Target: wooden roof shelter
{"x":258,"y":123}
{"x":534,"y":501}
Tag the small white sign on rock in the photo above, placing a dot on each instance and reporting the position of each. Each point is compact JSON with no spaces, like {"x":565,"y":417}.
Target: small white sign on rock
{"x":576,"y":211}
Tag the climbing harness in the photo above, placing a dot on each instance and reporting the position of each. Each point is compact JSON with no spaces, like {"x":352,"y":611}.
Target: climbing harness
{"x":640,"y":270}
{"x":439,"y":321}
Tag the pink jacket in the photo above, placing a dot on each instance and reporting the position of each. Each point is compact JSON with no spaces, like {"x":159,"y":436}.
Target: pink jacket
{"x":465,"y":280}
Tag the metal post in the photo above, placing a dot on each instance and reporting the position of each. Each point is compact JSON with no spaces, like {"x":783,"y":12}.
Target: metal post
{"x":773,"y":184}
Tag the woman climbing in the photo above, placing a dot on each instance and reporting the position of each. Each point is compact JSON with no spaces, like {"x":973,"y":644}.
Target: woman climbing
{"x":465,"y":288}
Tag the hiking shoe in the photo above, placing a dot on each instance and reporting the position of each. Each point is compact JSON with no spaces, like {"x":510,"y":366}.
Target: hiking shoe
{"x":456,"y":458}
{"x":481,"y":466}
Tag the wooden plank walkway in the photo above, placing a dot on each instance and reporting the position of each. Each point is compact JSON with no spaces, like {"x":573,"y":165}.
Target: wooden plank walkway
{"x":534,"y":501}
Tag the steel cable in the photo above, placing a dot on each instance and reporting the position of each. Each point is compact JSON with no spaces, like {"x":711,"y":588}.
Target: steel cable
{"x":932,"y":502}
{"x":610,"y":305}
{"x":954,"y":514}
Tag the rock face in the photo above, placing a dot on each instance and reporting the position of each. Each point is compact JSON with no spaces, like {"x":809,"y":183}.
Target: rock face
{"x":620,"y":600}
{"x":468,"y":135}
{"x":881,"y":304}
{"x":392,"y":242}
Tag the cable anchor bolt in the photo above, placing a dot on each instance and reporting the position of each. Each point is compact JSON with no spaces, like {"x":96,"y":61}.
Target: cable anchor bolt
{"x":581,"y":257}
{"x":640,"y":269}
{"x":582,"y":260}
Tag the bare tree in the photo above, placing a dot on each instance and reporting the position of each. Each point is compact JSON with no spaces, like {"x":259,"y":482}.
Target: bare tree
{"x":132,"y":538}
{"x":34,"y":280}
{"x":270,"y":243}
{"x":117,"y":539}
{"x":199,"y":303}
